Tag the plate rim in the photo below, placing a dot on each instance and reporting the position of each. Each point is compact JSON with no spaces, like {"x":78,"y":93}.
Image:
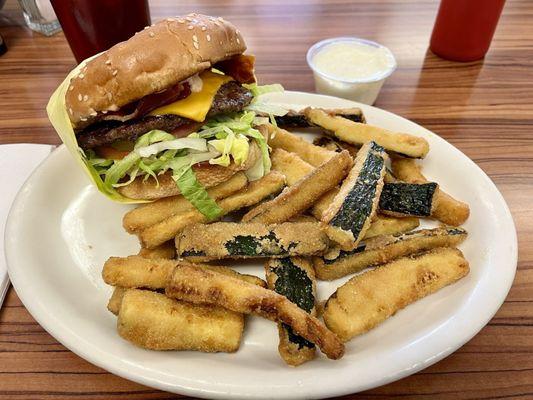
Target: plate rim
{"x":65,"y":337}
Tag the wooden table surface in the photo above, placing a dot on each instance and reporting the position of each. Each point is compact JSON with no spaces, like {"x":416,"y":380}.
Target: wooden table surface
{"x":484,"y":108}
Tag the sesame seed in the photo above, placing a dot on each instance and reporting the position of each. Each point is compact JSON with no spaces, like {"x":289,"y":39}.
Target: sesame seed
{"x":151,"y":34}
{"x":83,"y":119}
{"x":71,"y":88}
{"x":108,"y":62}
{"x":208,"y":37}
{"x":70,"y":111}
{"x":238,"y":41}
{"x":194,"y":38}
{"x":204,"y":28}
{"x":190,"y":27}
{"x":81,"y":76}
{"x":104,"y":112}
{"x":115,"y":72}
{"x":109,"y":95}
{"x":93,"y":114}
{"x":85,"y":98}
{"x":80,"y":97}
{"x":146,"y":27}
{"x":181,"y":21}
{"x":195,"y":44}
{"x":220,"y":42}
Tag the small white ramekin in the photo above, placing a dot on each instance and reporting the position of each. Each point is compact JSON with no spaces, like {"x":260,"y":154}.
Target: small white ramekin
{"x":364,"y":90}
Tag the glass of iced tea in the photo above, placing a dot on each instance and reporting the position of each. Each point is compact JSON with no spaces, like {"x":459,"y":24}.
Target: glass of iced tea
{"x":92,"y":26}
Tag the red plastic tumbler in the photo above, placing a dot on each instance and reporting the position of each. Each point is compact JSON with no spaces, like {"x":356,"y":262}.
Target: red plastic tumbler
{"x":464,"y":28}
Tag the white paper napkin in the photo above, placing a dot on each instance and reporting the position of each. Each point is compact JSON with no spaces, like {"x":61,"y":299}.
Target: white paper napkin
{"x":17,"y":161}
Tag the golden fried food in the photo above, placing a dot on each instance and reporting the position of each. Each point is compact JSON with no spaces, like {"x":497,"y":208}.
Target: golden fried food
{"x":201,"y":286}
{"x":297,"y":198}
{"x":349,"y":215}
{"x":282,"y":139}
{"x":358,"y":134}
{"x":368,"y":299}
{"x":113,"y":305}
{"x":294,"y":278}
{"x":166,"y":250}
{"x":149,"y":214}
{"x":385,"y":248}
{"x":140,"y":272}
{"x":153,"y":321}
{"x":252,"y":194}
{"x":290,"y":165}
{"x":220,"y":240}
{"x":446,"y":209}
{"x":385,"y":225}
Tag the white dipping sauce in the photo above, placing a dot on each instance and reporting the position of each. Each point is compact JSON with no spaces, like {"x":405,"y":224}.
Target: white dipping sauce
{"x":351,"y":68}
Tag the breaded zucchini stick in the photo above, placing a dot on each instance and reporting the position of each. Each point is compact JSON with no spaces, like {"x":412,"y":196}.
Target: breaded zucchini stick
{"x":166,"y":250}
{"x":349,"y":215}
{"x":297,"y":198}
{"x":358,"y":134}
{"x":198,"y":285}
{"x":244,"y":240}
{"x":149,"y":214}
{"x":368,"y":299}
{"x":447,"y":209}
{"x":401,"y":199}
{"x":383,"y":249}
{"x":153,"y":321}
{"x":385,"y":225}
{"x":281,"y":139}
{"x":297,"y":119}
{"x":294,"y":278}
{"x":252,"y":194}
{"x":139,"y":272}
{"x":113,"y":305}
{"x":290,"y":165}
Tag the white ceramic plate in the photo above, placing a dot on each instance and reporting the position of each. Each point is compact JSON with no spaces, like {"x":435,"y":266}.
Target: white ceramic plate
{"x":61,"y":230}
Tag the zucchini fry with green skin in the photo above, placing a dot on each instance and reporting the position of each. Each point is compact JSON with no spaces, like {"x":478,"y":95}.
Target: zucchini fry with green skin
{"x":297,"y":198}
{"x":349,"y":215}
{"x":297,"y":119}
{"x":149,"y":214}
{"x":368,"y":299}
{"x":153,"y":321}
{"x":282,"y":139}
{"x":139,"y":272}
{"x":294,"y":278}
{"x":401,"y":199}
{"x":247,"y":240}
{"x":200,"y":286}
{"x":447,"y":209}
{"x":383,"y":249}
{"x":358,"y":134}
{"x":290,"y":165}
{"x":252,"y":194}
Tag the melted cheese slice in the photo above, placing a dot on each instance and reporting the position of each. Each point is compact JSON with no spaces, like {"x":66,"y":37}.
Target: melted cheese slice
{"x":196,"y":105}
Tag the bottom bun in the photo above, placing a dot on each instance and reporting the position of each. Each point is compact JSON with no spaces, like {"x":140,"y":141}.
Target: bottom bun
{"x":207,"y":174}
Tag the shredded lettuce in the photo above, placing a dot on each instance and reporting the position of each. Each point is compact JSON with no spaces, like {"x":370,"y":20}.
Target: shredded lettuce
{"x":263,"y":89}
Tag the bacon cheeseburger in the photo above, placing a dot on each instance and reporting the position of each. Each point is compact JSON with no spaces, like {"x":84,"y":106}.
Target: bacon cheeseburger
{"x":172,"y":110}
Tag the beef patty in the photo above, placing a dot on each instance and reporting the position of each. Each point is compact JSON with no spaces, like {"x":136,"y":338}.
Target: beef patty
{"x":231,"y":97}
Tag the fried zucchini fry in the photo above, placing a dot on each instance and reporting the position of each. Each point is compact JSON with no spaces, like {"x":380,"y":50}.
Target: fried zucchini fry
{"x":358,"y":134}
{"x":153,"y":321}
{"x":113,"y":305}
{"x":252,"y":194}
{"x":245,"y":240}
{"x":297,"y":198}
{"x":197,"y":285}
{"x":294,"y":278}
{"x":149,"y":214}
{"x":140,"y":272}
{"x":349,"y":215}
{"x":166,"y":250}
{"x":447,"y":209}
{"x":297,"y":119}
{"x":385,"y":225}
{"x":401,"y":199}
{"x":281,"y":139}
{"x":290,"y":165}
{"x":368,"y":299}
{"x":383,"y":249}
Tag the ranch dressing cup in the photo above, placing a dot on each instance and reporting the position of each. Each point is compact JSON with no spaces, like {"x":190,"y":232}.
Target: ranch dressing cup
{"x":350,"y":68}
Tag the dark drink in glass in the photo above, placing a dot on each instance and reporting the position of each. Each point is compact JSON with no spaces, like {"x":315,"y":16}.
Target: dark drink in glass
{"x":92,"y":26}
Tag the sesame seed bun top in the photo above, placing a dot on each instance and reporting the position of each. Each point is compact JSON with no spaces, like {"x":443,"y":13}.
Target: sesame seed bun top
{"x":152,"y":60}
